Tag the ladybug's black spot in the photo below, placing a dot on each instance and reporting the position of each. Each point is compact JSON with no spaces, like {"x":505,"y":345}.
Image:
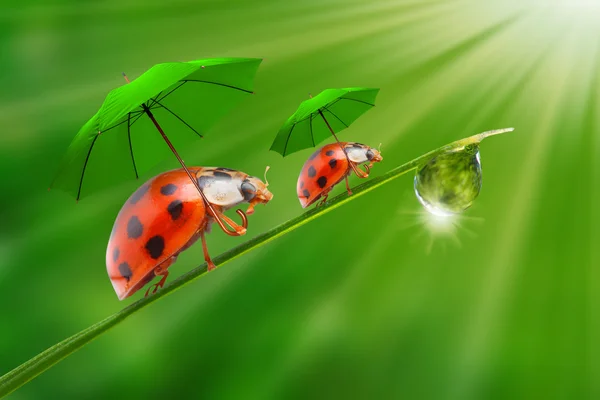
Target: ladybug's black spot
{"x":205,"y":180}
{"x":248,"y":190}
{"x":301,"y":184}
{"x":224,"y":169}
{"x":329,"y":152}
{"x":357,"y":145}
{"x":222,"y":175}
{"x":138,"y":194}
{"x":174,"y":208}
{"x":322,"y":181}
{"x":168,"y":189}
{"x":332,"y":163}
{"x":306,"y":193}
{"x":116,"y":253}
{"x":134,"y":228}
{"x":125,"y":271}
{"x":312,"y":172}
{"x":155,"y":246}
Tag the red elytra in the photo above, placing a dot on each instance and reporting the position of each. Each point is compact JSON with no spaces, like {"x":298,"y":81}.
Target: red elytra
{"x":329,"y":165}
{"x":165,"y":216}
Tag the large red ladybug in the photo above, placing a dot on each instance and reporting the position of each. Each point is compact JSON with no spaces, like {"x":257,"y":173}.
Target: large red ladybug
{"x":327,"y":166}
{"x":166,"y":215}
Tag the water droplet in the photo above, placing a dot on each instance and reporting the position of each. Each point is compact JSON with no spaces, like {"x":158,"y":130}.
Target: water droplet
{"x":449,"y":183}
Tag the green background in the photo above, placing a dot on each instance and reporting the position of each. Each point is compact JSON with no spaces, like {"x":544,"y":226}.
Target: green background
{"x":373,"y":300}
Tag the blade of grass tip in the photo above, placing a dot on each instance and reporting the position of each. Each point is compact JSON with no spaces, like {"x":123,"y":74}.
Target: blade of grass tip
{"x":43,"y":361}
{"x":494,"y":132}
{"x":475,"y":139}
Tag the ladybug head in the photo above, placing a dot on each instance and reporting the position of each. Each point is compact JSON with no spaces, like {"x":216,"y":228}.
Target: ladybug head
{"x":361,"y":153}
{"x":255,"y":191}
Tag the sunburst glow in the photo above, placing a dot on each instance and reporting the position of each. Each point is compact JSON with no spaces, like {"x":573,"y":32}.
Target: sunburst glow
{"x":581,"y":7}
{"x":437,"y":228}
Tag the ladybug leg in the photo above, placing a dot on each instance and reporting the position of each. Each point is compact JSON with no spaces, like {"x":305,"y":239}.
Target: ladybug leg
{"x":325,"y":195}
{"x":160,"y":270}
{"x":348,"y":186}
{"x":368,"y":168}
{"x":323,"y":200}
{"x":359,"y":172}
{"x":209,"y":262}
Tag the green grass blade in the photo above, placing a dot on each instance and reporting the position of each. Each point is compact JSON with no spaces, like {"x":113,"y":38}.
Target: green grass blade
{"x":35,"y":366}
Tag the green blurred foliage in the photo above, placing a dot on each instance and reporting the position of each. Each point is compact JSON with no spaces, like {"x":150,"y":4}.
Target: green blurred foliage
{"x":374,"y":300}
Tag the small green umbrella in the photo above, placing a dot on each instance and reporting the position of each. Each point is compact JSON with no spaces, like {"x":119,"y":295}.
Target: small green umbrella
{"x":126,"y":137}
{"x":329,"y":112}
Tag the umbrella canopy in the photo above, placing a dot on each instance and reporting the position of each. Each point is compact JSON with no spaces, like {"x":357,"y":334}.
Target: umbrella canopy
{"x":317,"y":118}
{"x":121,"y":140}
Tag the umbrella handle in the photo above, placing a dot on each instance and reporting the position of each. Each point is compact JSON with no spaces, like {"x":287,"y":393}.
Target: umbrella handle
{"x":218,"y":216}
{"x":357,"y":171}
{"x":237,"y":229}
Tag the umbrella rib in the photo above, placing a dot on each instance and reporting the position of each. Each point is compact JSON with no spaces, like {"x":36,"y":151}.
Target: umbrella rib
{"x":305,"y":118}
{"x":130,"y":147}
{"x":135,"y":113}
{"x":135,"y":120}
{"x":172,"y":90}
{"x":338,"y":118}
{"x":316,"y":112}
{"x":179,"y":118}
{"x":114,"y":126}
{"x":85,"y":164}
{"x":311,"y":131}
{"x":219,"y":84}
{"x":288,"y":139}
{"x":333,"y":102}
{"x":92,"y":146}
{"x":154,"y":100}
{"x":358,"y":101}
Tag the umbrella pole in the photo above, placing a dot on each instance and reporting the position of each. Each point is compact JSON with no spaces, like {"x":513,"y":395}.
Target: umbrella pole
{"x":358,"y":173}
{"x":237,"y":231}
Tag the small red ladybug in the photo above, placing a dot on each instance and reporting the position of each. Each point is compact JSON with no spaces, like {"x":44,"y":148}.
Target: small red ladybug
{"x":327,"y":166}
{"x":166,"y":215}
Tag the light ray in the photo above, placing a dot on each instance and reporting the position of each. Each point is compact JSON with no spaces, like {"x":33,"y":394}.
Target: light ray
{"x":592,"y":118}
{"x":489,"y":314}
{"x":324,"y":320}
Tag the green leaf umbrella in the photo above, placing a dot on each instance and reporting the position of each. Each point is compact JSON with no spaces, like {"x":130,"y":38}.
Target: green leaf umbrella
{"x":329,"y":112}
{"x":126,"y":137}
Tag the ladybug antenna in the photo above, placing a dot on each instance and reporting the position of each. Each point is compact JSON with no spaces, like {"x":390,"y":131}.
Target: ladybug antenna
{"x":266,"y":181}
{"x":379,"y":149}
